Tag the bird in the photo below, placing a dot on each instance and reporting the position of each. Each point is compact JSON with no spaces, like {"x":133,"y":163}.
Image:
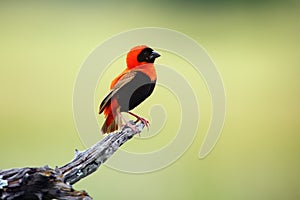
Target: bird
{"x":129,"y":89}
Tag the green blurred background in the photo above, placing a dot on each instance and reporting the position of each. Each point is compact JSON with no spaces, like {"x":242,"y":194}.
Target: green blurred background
{"x":255,"y":45}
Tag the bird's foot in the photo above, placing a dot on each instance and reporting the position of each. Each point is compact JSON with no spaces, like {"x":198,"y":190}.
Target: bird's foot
{"x":144,"y":121}
{"x":141,"y":119}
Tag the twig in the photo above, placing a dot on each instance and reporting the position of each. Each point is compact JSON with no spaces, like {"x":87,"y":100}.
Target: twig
{"x":44,"y":183}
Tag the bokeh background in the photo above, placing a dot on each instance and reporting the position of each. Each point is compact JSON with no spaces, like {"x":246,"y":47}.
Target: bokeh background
{"x":255,"y":45}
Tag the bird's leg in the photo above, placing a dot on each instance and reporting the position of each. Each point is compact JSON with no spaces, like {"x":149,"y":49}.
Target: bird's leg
{"x":138,"y":118}
{"x":127,"y":123}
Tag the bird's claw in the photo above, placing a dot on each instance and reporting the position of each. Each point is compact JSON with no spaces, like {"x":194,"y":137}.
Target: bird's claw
{"x":144,"y":121}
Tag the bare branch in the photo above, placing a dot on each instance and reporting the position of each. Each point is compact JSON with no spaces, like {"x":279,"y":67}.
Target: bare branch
{"x":44,"y":183}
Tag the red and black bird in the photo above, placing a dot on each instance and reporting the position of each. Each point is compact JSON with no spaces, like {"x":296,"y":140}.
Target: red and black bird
{"x":130,"y":88}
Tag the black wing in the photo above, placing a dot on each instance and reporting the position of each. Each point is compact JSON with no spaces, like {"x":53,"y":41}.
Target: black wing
{"x":125,"y":79}
{"x":135,"y":92}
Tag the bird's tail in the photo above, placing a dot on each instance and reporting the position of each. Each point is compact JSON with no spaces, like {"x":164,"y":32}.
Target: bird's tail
{"x":111,"y":124}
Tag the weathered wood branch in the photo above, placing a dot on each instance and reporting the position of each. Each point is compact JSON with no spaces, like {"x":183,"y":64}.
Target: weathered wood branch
{"x":45,"y":183}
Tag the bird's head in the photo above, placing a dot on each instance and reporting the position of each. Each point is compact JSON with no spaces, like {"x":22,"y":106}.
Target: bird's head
{"x":140,"y":55}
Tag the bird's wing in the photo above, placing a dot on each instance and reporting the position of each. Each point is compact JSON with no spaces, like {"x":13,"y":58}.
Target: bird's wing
{"x":123,"y":80}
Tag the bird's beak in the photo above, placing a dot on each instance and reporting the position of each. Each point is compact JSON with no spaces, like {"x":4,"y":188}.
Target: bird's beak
{"x":154,"y":55}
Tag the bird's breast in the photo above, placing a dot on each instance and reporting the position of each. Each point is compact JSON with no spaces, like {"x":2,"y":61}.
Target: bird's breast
{"x":148,"y":69}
